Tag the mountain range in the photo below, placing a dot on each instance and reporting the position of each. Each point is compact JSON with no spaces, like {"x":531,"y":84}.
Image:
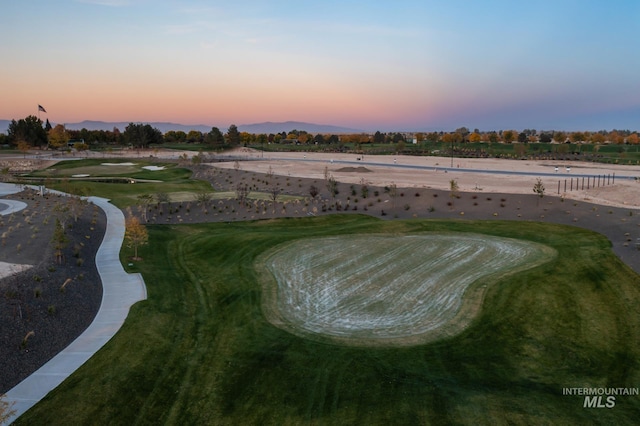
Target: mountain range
{"x":256,"y":128}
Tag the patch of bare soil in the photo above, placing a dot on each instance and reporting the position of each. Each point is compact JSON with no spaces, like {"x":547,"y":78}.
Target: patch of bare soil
{"x":353,"y":170}
{"x":43,"y":309}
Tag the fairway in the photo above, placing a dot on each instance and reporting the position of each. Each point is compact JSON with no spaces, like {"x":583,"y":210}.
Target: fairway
{"x":378,"y":290}
{"x":200,"y":349}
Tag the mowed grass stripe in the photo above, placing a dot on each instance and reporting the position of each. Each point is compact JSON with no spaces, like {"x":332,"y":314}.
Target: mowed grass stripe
{"x":572,"y":321}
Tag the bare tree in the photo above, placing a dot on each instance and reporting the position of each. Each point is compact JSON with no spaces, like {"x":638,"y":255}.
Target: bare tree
{"x":203,"y":198}
{"x":144,"y":201}
{"x":162,"y":198}
{"x":242,"y":192}
{"x":332,"y":186}
{"x":393,"y":193}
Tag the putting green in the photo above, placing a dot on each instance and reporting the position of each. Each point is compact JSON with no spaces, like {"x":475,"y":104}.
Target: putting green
{"x":377,"y":289}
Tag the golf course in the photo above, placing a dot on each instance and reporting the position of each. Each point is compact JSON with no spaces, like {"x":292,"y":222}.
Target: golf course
{"x":354,"y":319}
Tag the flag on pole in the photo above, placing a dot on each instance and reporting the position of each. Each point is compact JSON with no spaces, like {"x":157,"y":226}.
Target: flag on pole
{"x":41,"y":108}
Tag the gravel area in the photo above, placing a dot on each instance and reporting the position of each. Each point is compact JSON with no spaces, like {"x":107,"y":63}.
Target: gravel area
{"x":45,"y":307}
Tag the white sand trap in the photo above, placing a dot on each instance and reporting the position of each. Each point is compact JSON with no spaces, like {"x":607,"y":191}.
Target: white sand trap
{"x":400,"y":290}
{"x":118,"y":164}
{"x":11,"y":206}
{"x":81,"y":175}
{"x":153,"y":168}
{"x":7,"y":269}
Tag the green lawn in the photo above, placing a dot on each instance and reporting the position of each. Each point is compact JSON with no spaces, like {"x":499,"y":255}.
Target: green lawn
{"x":173,"y":179}
{"x":199,"y":350}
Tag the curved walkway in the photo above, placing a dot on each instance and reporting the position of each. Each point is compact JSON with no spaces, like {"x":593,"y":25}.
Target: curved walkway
{"x":120,"y":291}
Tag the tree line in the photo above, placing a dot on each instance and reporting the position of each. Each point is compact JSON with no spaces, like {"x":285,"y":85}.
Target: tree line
{"x":33,"y":132}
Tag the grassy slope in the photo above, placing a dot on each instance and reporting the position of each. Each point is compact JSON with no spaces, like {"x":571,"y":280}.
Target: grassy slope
{"x":200,"y":352}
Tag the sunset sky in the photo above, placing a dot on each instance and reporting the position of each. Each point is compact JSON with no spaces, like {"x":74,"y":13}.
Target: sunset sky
{"x":370,"y":65}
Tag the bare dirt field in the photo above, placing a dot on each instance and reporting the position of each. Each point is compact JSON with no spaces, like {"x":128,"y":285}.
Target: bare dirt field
{"x":472,"y":175}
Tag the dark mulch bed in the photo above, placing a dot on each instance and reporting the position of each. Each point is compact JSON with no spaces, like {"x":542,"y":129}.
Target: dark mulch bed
{"x":39,"y":313}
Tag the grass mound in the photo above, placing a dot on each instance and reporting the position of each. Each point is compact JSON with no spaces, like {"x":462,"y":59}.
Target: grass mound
{"x":382,"y":289}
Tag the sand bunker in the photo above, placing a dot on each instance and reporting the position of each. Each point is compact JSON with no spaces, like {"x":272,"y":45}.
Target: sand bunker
{"x":118,"y":164}
{"x":153,"y":168}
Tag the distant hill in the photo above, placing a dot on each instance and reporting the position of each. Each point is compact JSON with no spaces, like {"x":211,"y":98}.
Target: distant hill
{"x":4,"y":126}
{"x":164,"y":127}
{"x":267,"y":127}
{"x":287,"y":126}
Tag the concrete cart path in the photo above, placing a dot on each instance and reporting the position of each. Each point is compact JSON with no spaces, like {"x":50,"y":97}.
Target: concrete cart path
{"x":120,"y":291}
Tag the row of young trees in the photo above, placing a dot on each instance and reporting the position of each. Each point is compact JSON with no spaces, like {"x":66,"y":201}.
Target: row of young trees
{"x":32,"y":132}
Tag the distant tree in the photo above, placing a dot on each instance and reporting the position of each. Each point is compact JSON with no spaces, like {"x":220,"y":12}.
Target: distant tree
{"x":233,"y":136}
{"x":29,"y":130}
{"x":135,"y":235}
{"x":598,"y":138}
{"x":463,"y":132}
{"x":333,"y":139}
{"x":522,"y":137}
{"x":398,"y":137}
{"x":247,"y":138}
{"x":58,"y":138}
{"x":545,"y":138}
{"x":433,"y":137}
{"x":194,"y":136}
{"x":378,"y":138}
{"x":318,"y":139}
{"x":577,"y":137}
{"x":215,"y":137}
{"x":141,"y":135}
{"x":508,"y":136}
{"x":47,"y":126}
{"x":493,"y":137}
{"x":560,"y":137}
{"x":262,"y":138}
{"x":474,"y":137}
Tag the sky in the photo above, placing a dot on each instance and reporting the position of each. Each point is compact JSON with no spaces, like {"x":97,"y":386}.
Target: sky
{"x":402,"y":65}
